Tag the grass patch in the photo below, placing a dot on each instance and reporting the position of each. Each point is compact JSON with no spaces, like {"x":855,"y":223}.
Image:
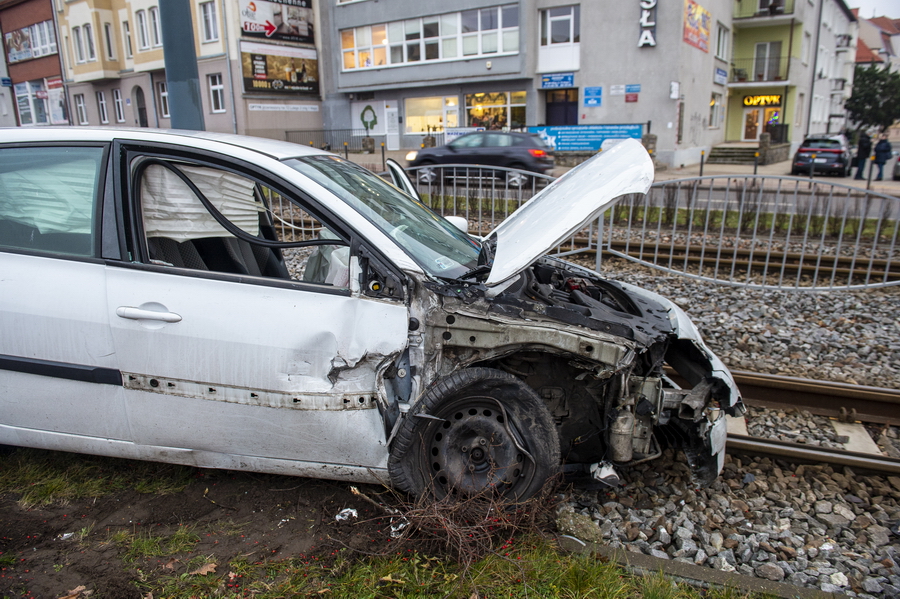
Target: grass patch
{"x":44,"y":477}
{"x":534,"y":568}
{"x":142,"y":546}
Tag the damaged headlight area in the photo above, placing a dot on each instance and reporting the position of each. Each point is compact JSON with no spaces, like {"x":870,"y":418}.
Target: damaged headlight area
{"x":602,"y":358}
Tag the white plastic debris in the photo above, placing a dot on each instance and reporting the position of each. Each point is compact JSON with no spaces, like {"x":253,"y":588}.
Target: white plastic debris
{"x":605,"y":473}
{"x":66,"y":536}
{"x":346,"y":514}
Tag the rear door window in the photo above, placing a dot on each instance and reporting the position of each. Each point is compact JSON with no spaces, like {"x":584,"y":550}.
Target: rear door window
{"x":48,"y":198}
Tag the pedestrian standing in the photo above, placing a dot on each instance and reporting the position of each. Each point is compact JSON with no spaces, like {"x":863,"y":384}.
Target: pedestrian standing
{"x":862,"y":153}
{"x":882,"y":155}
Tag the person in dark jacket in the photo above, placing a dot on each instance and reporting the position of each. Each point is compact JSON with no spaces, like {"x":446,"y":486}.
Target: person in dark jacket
{"x":862,"y":153}
{"x":882,"y":154}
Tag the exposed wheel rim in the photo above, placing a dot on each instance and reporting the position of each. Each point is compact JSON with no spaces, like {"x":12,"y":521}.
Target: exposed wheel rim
{"x":475,"y":449}
{"x":427,"y":175}
{"x":516,"y":179}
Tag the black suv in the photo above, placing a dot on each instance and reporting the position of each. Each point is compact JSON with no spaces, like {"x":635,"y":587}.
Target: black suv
{"x":524,"y":151}
{"x":823,"y":153}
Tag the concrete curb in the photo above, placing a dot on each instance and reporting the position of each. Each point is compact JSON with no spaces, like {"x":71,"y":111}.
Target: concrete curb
{"x":700,"y":576}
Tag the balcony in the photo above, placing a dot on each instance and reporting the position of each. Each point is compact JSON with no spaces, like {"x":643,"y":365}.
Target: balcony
{"x":842,"y":41}
{"x":762,"y":12}
{"x":760,"y":70}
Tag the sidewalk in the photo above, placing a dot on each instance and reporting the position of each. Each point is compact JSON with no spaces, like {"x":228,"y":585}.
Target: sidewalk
{"x":888,"y":186}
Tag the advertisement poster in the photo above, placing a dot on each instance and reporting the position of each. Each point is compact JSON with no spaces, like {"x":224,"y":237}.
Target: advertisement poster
{"x":18,"y":45}
{"x":279,"y":69}
{"x":278,"y":20}
{"x":56,"y":98}
{"x":369,"y":114}
{"x":583,"y":138}
{"x":696,"y":25}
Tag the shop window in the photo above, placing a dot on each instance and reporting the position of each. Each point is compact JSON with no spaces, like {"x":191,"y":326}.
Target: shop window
{"x":434,"y":114}
{"x":496,"y":110}
{"x":31,"y":103}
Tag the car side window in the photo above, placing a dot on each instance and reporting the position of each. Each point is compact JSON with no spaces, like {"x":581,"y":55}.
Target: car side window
{"x":497,"y":140}
{"x":281,"y":239}
{"x":473,"y":140}
{"x":48,"y":198}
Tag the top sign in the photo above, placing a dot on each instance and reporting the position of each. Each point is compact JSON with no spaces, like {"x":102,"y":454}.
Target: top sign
{"x":557,"y":80}
{"x":772,"y":100}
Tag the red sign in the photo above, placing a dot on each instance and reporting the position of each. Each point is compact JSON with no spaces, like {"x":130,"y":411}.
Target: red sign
{"x":631,"y":97}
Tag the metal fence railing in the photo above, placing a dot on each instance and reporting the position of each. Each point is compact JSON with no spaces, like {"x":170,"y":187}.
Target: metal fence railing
{"x":334,"y":139}
{"x":752,"y":231}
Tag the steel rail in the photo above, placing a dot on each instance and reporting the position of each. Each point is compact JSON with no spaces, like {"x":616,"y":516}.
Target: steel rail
{"x":825,"y":398}
{"x":796,"y":452}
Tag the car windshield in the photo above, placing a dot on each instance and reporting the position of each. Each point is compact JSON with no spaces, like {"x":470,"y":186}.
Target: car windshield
{"x":822,"y":143}
{"x":438,"y":247}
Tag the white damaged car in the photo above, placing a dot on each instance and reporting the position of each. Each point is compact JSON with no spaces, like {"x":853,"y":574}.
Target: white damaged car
{"x":231,"y":302}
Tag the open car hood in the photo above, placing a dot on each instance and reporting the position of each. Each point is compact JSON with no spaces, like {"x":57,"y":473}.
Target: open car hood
{"x":566,"y":205}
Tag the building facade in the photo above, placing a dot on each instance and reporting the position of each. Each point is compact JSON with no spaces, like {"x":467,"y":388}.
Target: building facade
{"x":793,"y":68}
{"x":257,"y":64}
{"x":32,"y":59}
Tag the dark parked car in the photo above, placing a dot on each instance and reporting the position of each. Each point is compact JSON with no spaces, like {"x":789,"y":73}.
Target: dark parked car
{"x":524,"y":151}
{"x":830,"y":154}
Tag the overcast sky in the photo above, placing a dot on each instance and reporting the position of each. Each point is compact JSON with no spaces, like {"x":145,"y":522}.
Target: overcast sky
{"x":882,"y":8}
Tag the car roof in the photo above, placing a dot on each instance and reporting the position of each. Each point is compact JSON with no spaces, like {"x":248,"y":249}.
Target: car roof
{"x":273,"y":148}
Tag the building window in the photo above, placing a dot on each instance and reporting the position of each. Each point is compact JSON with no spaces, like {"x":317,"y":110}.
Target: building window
{"x":715,"y":111}
{"x":216,"y":92}
{"x":496,"y":110}
{"x":450,"y":36}
{"x":119,"y":106}
{"x":108,"y":38}
{"x":210,"y":25}
{"x":31,"y":103}
{"x":154,"y":26}
{"x":101,"y":107}
{"x":126,"y":33}
{"x":163,"y":90}
{"x":77,"y":44}
{"x":431,"y":114}
{"x":561,"y":25}
{"x":43,"y":39}
{"x":722,"y":38}
{"x":804,"y":50}
{"x":90,"y":53}
{"x":80,"y":110}
{"x":143,"y":33}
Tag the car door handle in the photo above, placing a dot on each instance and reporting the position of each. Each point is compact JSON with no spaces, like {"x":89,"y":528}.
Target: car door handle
{"x":141,"y":314}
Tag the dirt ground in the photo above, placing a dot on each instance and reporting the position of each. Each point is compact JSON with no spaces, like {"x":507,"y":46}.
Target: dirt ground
{"x":235,"y":514}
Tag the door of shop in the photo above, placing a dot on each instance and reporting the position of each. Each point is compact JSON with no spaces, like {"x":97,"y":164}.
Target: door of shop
{"x":562,"y":107}
{"x":755,"y":120}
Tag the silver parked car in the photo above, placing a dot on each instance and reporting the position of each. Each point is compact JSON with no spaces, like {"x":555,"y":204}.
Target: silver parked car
{"x":232,"y":302}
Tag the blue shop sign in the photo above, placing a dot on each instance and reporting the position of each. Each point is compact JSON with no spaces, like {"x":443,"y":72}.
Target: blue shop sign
{"x":633,"y":89}
{"x":557,"y":80}
{"x":5,"y":82}
{"x":721,"y":76}
{"x":593,"y":96}
{"x":586,"y":138}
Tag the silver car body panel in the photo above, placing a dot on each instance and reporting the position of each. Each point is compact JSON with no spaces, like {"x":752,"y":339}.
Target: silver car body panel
{"x":566,"y":205}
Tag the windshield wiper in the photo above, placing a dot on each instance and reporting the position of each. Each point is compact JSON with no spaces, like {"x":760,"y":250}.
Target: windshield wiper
{"x":485,"y":261}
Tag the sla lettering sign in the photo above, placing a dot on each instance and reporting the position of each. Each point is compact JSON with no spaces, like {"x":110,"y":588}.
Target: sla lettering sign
{"x":648,"y":24}
{"x":774,"y":100}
